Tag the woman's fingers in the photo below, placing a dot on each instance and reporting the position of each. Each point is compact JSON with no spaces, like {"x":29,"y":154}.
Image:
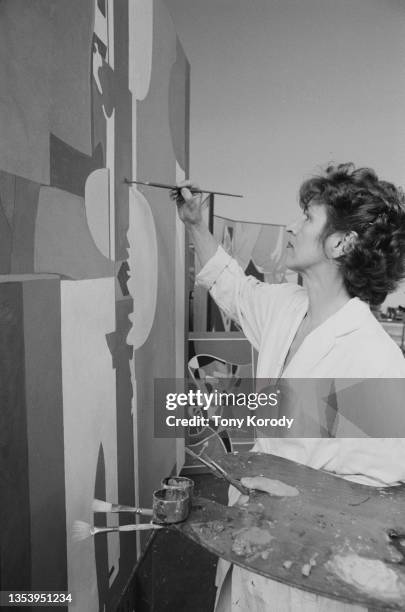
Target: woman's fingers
{"x":186,"y":194}
{"x":189,"y":184}
{"x":189,"y":201}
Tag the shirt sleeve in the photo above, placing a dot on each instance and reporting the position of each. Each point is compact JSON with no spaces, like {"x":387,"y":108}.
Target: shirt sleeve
{"x":245,"y":299}
{"x":370,"y":461}
{"x":381,"y":460}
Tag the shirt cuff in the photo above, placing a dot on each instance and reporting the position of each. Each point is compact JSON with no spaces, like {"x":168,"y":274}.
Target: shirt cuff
{"x":213,"y":269}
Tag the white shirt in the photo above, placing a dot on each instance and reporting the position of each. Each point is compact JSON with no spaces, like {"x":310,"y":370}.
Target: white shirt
{"x":349,"y":344}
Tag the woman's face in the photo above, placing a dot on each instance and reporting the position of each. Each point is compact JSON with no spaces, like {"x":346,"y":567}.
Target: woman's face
{"x":305,"y":248}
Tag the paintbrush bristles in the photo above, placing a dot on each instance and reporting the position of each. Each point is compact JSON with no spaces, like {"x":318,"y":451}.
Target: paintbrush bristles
{"x":81,"y":531}
{"x":101,"y":506}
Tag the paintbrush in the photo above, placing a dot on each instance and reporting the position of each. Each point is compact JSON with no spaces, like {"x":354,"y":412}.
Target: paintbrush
{"x":220,"y":472}
{"x":100,"y":505}
{"x":176,"y":188}
{"x":82,"y":531}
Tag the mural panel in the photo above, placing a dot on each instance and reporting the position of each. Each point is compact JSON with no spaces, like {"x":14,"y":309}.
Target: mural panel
{"x":95,"y":91}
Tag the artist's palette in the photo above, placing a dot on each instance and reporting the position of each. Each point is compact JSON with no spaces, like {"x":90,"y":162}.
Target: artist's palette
{"x":297,"y":540}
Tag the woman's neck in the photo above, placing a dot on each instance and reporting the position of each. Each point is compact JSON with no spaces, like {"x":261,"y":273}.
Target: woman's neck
{"x":326,"y":295}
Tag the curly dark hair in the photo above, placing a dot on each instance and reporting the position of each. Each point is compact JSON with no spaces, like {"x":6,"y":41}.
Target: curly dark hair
{"x":358,"y":201}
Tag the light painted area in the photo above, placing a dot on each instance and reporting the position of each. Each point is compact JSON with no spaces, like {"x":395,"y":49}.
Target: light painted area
{"x":110,"y":164}
{"x":97,"y":208}
{"x":89,"y":415}
{"x":97,"y":65}
{"x":110,"y":32}
{"x":143,"y":267}
{"x":100,"y":24}
{"x":140,"y":46}
{"x":280,"y":87}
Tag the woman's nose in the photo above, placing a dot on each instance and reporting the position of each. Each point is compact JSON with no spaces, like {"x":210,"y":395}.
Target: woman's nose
{"x":292,"y":227}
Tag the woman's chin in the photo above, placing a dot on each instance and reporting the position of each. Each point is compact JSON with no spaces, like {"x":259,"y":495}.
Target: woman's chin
{"x":290,"y":263}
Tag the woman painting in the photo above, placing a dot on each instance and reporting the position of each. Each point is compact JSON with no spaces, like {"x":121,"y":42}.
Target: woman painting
{"x":349,"y":247}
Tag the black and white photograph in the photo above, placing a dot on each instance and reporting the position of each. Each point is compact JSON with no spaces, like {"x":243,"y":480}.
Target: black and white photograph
{"x":202,"y":305}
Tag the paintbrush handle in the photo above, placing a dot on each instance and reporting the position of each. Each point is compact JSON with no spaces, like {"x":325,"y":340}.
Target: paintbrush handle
{"x":233,"y":481}
{"x":141,"y":527}
{"x":176,"y":188}
{"x":195,"y":456}
{"x":122,"y":508}
{"x":218,"y":471}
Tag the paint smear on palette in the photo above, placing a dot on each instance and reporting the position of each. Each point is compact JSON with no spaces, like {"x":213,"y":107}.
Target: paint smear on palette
{"x":143,"y":267}
{"x":140,"y":46}
{"x":270,"y":486}
{"x":369,"y":575}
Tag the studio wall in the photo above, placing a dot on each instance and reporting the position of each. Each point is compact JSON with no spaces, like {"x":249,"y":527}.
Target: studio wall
{"x":94,"y":92}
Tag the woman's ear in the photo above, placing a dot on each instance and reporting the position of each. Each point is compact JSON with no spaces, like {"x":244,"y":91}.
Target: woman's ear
{"x":349,"y":242}
{"x":342,"y":243}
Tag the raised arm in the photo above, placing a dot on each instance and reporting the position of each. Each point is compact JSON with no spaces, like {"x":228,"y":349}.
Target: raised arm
{"x":246,"y":300}
{"x":190,"y":212}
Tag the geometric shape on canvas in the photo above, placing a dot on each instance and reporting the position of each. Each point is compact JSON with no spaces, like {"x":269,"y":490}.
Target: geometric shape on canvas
{"x":101,"y":6}
{"x":108,"y":83}
{"x":25,"y":50}
{"x":89,"y":398}
{"x":123,"y":277}
{"x":97,"y":63}
{"x":178,"y":105}
{"x":100,"y":23}
{"x":69,"y":167}
{"x":97,"y":208}
{"x":25,"y":215}
{"x":63,"y":242}
{"x":70,"y":87}
{"x":98,"y":119}
{"x":44,"y":401}
{"x":143,"y":267}
{"x":7,"y":194}
{"x":140,"y":47}
{"x":15,"y":502}
{"x":6,"y":241}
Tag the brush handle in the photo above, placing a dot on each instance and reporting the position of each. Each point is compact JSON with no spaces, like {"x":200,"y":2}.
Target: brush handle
{"x":176,"y":188}
{"x":141,"y":527}
{"x":121,"y":508}
{"x":218,"y":471}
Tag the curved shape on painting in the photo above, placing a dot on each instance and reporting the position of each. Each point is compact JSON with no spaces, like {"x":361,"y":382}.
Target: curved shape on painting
{"x":178,"y":105}
{"x":140,"y":46}
{"x":96,"y":201}
{"x":143,"y":267}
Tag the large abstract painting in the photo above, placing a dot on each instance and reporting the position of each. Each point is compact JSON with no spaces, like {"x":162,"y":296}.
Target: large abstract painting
{"x":91,"y":280}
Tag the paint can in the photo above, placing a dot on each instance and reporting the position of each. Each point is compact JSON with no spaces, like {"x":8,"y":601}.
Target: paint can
{"x":180,"y":482}
{"x":170,"y":505}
